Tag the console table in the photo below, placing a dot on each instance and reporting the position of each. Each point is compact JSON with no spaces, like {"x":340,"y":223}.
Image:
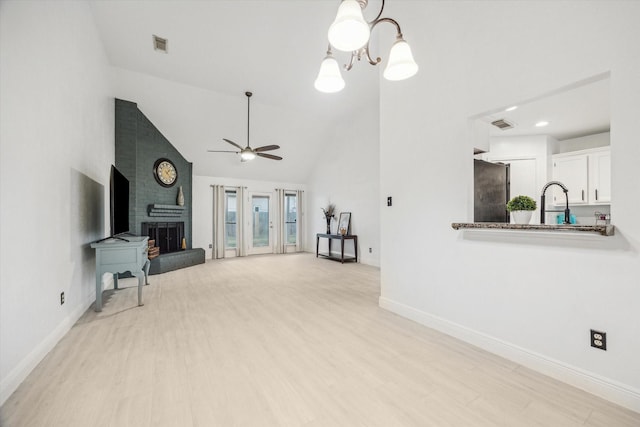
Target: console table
{"x":342,"y":238}
{"x":119,"y":256}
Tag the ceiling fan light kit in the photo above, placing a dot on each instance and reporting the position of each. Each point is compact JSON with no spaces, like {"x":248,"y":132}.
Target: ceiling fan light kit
{"x":247,"y":153}
{"x":349,"y":32}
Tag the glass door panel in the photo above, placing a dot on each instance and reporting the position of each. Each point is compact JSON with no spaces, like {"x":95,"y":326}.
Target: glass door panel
{"x":261,"y":225}
{"x":230,"y":220}
{"x":291,"y":219}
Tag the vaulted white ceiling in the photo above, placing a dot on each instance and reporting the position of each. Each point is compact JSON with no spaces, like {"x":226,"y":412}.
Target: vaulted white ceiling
{"x":223,"y":48}
{"x":272,"y":48}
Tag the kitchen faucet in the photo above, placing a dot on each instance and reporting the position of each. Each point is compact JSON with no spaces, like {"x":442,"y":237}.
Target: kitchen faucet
{"x":567,"y":217}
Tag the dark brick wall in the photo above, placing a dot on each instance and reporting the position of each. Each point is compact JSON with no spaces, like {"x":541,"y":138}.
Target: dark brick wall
{"x":138,"y":145}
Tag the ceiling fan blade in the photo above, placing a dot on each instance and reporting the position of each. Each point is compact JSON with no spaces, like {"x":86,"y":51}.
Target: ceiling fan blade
{"x":232,"y":143}
{"x":266,"y":148}
{"x":269,"y":156}
{"x":222,"y":151}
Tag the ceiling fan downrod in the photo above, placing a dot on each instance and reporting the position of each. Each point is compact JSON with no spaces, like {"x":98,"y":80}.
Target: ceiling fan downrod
{"x":249,"y":94}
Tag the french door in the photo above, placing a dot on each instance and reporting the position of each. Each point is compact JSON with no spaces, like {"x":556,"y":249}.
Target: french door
{"x":260,"y":224}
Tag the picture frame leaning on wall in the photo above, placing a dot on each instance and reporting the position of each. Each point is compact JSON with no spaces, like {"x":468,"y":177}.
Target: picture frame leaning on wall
{"x":344,"y":223}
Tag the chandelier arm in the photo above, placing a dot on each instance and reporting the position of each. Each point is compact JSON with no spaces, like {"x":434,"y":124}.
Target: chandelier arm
{"x":329,"y":52}
{"x":349,"y":66}
{"x":389,"y":20}
{"x":372,"y":26}
{"x":371,"y":60}
{"x":379,"y":15}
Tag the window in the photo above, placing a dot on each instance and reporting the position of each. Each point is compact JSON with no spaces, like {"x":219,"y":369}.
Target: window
{"x":290,"y":218}
{"x":230,"y":217}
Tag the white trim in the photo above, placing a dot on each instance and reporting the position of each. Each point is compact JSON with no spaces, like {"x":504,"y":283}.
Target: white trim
{"x":12,"y":381}
{"x":605,"y":388}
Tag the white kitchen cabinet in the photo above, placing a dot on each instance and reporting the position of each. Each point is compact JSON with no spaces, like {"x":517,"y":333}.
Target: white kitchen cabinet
{"x":587,"y":175}
{"x":600,"y":177}
{"x":572,"y":171}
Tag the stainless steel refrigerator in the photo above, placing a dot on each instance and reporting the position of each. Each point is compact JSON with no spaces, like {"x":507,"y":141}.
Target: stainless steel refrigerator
{"x":491,"y":191}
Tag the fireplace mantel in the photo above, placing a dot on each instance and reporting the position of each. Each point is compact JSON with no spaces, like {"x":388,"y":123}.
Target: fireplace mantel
{"x":171,"y":211}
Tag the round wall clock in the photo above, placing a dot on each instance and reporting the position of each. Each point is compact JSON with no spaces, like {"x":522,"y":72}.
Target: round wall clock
{"x":165,"y":172}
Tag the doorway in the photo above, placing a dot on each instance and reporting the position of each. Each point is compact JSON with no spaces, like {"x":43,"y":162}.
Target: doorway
{"x":261,"y":224}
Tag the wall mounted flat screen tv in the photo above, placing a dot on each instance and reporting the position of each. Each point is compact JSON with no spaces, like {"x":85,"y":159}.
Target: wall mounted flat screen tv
{"x":119,"y":192}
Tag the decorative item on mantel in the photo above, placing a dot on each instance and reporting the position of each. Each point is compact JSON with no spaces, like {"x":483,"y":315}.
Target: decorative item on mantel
{"x":180,"y":200}
{"x":328,"y":214}
{"x":521,"y":208}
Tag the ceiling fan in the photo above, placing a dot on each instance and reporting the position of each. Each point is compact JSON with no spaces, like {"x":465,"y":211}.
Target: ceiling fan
{"x":247,"y":153}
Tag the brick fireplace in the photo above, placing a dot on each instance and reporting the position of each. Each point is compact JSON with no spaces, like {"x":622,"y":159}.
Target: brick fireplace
{"x":153,"y":209}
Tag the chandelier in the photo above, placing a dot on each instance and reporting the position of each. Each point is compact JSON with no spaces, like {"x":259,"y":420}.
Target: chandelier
{"x":350,"y":33}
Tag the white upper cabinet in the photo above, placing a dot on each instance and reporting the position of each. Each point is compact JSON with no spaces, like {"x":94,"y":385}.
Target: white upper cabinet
{"x":600,"y":177}
{"x":572,"y":171}
{"x":587,"y":175}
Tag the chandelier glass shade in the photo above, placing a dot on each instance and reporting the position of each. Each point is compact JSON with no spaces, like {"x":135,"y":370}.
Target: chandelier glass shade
{"x":401,"y":64}
{"x":329,"y":79}
{"x":349,"y":32}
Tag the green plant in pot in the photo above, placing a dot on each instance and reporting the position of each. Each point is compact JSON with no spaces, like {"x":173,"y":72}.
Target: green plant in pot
{"x":521,"y":208}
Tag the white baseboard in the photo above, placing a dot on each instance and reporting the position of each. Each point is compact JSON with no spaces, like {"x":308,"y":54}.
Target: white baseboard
{"x":11,"y":382}
{"x":605,"y":388}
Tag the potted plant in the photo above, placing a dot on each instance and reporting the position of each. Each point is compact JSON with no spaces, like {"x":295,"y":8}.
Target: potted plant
{"x":521,"y":208}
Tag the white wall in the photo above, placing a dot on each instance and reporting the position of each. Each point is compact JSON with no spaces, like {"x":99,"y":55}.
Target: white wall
{"x":56,"y":140}
{"x":531,"y":299}
{"x":203,"y":203}
{"x":348,"y":175}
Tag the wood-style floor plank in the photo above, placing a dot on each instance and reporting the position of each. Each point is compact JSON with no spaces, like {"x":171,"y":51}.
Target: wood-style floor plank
{"x":281,"y":340}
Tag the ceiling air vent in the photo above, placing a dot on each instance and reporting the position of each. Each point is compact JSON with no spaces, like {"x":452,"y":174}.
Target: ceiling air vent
{"x":502,"y":124}
{"x":160,"y":44}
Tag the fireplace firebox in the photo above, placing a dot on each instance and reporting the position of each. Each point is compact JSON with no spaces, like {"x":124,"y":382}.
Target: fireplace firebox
{"x":168,"y":235}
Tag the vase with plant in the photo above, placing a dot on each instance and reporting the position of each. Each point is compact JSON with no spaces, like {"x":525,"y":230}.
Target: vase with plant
{"x":521,"y":208}
{"x":328,"y":214}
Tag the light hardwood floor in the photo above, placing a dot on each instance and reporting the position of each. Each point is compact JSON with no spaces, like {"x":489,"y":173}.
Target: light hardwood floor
{"x":281,"y":340}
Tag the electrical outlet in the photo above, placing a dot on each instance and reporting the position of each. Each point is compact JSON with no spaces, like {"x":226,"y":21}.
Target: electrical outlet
{"x":61,"y":298}
{"x":599,"y":340}
{"x":210,"y":245}
{"x":389,"y":201}
{"x":370,"y":250}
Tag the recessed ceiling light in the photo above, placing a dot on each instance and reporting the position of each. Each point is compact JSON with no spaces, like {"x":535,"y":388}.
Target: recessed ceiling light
{"x":542,"y":124}
{"x":514,"y":107}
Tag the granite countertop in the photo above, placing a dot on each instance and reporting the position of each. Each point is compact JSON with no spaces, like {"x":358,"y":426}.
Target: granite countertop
{"x":604,"y":230}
